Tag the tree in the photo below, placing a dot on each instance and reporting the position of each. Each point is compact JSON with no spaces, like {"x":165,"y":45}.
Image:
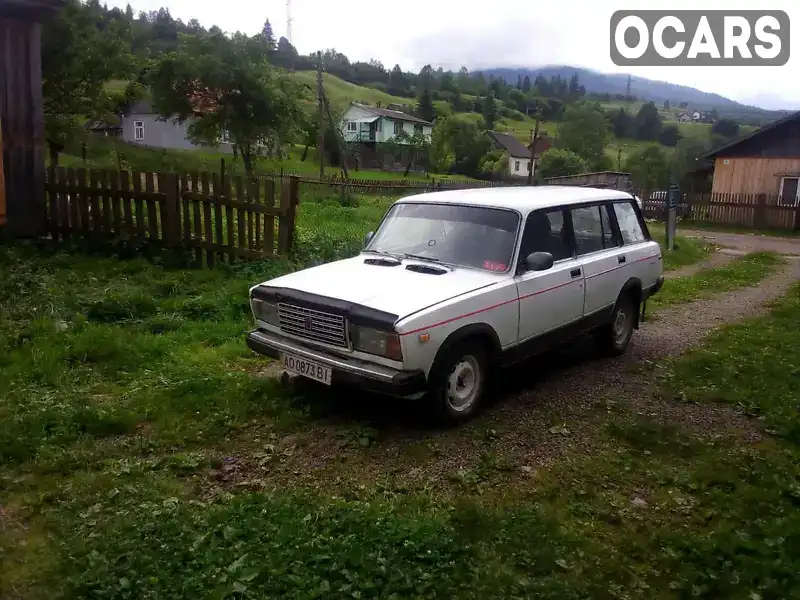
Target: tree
{"x":425,"y":107}
{"x":416,"y":147}
{"x":494,"y":165}
{"x":460,"y":141}
{"x":725,"y":127}
{"x":670,"y":136}
{"x":622,"y":124}
{"x":584,"y":132}
{"x":557,"y":162}
{"x":686,"y":154}
{"x":489,"y":111}
{"x":683,"y":105}
{"x":666,"y":104}
{"x":440,"y":154}
{"x":268,"y":37}
{"x":222,"y":85}
{"x":649,"y":168}
{"x":81,"y":51}
{"x":648,"y":122}
{"x":526,"y":84}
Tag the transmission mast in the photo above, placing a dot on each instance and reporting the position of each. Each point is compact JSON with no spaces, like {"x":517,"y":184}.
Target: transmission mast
{"x":289,"y":20}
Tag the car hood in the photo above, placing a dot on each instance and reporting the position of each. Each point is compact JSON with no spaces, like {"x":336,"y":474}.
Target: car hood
{"x":392,"y":289}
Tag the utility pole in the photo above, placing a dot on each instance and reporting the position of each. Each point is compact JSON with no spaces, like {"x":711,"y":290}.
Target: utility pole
{"x":533,"y":149}
{"x":321,"y":112}
{"x":619,"y":158}
{"x":628,"y":90}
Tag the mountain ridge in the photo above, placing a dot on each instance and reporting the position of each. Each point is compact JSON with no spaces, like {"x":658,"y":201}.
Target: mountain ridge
{"x":644,"y":89}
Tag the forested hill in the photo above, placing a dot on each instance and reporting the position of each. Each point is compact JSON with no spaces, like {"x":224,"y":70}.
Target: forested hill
{"x":645,"y":89}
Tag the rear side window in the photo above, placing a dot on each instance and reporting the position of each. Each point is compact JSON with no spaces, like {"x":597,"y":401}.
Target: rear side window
{"x":592,"y":227}
{"x":628,"y":221}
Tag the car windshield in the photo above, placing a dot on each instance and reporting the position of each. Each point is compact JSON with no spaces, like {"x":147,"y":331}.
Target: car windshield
{"x":469,"y":236}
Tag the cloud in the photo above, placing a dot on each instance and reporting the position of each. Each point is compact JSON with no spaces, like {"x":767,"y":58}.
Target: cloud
{"x":481,"y":33}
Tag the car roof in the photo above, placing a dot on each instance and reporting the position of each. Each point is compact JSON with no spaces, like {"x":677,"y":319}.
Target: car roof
{"x":521,"y":198}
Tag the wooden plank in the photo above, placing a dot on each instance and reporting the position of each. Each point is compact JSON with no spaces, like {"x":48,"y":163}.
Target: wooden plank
{"x":240,"y":203}
{"x":243,"y":206}
{"x":217,"y":192}
{"x":125,"y":201}
{"x":226,"y":192}
{"x":257,"y":215}
{"x":94,"y":204}
{"x":52,"y":198}
{"x":269,"y":220}
{"x":185,"y":208}
{"x":198,"y":236}
{"x":72,"y":203}
{"x":170,"y":210}
{"x":152,"y":209}
{"x":254,"y":188}
{"x":141,"y":225}
{"x":208,"y":229}
{"x":83,"y":200}
{"x":116,"y":202}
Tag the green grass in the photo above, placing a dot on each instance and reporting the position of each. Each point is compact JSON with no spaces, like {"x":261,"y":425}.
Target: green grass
{"x":741,"y":272}
{"x":745,"y":230}
{"x":685,"y":252}
{"x":127,"y":382}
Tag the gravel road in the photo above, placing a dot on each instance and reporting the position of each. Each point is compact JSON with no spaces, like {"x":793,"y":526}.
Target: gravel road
{"x":549,"y":409}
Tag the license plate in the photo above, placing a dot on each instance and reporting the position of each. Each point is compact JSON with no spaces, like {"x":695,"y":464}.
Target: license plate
{"x":306,"y":368}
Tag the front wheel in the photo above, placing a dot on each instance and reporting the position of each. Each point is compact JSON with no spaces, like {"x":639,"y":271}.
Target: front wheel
{"x":459,"y":384}
{"x":613,"y":337}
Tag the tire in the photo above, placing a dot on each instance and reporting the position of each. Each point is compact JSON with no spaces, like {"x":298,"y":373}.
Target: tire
{"x":612,"y":339}
{"x":459,"y":384}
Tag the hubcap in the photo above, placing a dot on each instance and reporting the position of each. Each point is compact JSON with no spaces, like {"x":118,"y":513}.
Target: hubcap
{"x":463,"y":384}
{"x":620,"y":327}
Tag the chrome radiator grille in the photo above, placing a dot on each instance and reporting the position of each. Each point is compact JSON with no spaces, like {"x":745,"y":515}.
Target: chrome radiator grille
{"x":312,"y":324}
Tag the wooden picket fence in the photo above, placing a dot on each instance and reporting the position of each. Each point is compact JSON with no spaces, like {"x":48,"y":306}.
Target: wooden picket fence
{"x":219,"y":220}
{"x":752,"y":211}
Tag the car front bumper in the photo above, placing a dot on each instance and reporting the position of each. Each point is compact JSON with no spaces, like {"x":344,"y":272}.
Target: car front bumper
{"x":370,"y":376}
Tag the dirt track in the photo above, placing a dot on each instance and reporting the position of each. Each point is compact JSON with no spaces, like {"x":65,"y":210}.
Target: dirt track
{"x":548,"y":409}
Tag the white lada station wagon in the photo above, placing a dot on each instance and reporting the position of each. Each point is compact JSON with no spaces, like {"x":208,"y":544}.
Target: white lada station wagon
{"x":455,"y":285}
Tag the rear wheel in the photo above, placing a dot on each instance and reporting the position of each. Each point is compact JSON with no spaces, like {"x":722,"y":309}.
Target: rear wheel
{"x":459,"y":384}
{"x":613,"y":338}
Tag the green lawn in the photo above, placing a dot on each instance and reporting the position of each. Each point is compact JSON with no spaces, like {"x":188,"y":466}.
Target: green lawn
{"x":741,"y":272}
{"x":128,"y":391}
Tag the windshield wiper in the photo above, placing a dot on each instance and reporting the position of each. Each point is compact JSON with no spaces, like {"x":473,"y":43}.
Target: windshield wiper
{"x":418,"y":257}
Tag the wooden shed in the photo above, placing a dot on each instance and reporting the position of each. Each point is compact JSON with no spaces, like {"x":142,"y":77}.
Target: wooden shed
{"x":21,"y":114}
{"x":605,"y":179}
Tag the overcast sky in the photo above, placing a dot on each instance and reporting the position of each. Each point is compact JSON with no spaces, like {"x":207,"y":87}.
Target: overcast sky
{"x":520,"y":33}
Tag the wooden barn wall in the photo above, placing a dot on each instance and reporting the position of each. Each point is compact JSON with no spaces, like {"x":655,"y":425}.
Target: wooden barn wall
{"x":753,"y":175}
{"x":22,"y":121}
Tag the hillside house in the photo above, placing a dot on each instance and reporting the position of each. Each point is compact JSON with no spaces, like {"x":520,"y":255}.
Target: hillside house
{"x":371,"y":125}
{"x":143,"y":126}
{"x":763,"y":165}
{"x":519,"y":155}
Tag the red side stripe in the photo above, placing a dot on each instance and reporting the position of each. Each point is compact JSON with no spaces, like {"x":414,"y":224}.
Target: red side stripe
{"x":480,"y":310}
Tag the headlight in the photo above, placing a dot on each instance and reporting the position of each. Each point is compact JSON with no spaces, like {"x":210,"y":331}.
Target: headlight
{"x":376,"y":342}
{"x":265,"y":311}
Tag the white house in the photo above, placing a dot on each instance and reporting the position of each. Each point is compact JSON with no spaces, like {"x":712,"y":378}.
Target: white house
{"x":372,"y":124}
{"x":519,"y":155}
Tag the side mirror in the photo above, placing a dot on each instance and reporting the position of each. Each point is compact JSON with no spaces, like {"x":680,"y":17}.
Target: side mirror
{"x":538,"y":261}
{"x":368,"y":237}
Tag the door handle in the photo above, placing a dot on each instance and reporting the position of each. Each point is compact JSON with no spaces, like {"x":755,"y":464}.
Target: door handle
{"x":621,"y":259}
{"x":575,"y":273}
